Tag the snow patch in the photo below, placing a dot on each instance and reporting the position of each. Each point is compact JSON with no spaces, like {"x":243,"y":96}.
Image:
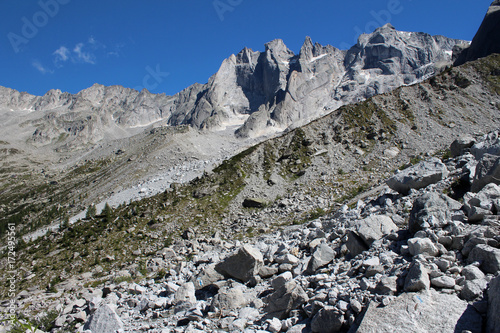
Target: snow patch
{"x":407,"y":34}
{"x":318,"y":57}
{"x":145,"y":125}
{"x":366,"y":75}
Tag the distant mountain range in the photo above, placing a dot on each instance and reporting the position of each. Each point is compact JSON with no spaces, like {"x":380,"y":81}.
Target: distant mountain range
{"x":257,"y":93}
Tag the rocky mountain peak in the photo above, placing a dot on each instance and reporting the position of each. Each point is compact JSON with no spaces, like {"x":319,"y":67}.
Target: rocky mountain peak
{"x":13,"y":99}
{"x":487,"y":39}
{"x":307,"y":49}
{"x":52,"y":99}
{"x":277,"y":88}
{"x":384,"y":34}
{"x":94,"y":93}
{"x":277,"y":50}
{"x":386,"y":27}
{"x":246,"y":56}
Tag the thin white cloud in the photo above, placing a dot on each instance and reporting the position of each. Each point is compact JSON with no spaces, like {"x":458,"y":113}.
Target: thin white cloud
{"x":62,"y":54}
{"x":82,"y":56}
{"x":38,"y":65}
{"x":84,"y":52}
{"x":115,"y":50}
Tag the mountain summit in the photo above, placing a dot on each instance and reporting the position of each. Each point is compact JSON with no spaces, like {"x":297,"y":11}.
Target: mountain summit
{"x":256,"y":93}
{"x":487,"y":39}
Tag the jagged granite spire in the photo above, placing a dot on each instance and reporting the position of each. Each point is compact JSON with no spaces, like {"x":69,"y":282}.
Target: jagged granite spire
{"x":487,"y":39}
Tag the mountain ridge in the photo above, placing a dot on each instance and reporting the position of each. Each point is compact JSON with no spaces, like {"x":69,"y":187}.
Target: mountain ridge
{"x":273,"y":88}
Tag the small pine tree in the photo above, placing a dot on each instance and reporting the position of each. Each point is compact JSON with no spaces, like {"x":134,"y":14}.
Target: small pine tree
{"x":107,"y":212}
{"x":21,"y":244}
{"x":91,"y":212}
{"x":65,"y":223}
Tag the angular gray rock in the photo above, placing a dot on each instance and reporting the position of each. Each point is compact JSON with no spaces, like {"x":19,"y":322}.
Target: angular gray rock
{"x":242,"y":265}
{"x":327,"y":320}
{"x":425,"y":246}
{"x":355,"y":244}
{"x":431,"y":210}
{"x":487,"y":256}
{"x":367,"y":231}
{"x":229,"y":299}
{"x":458,"y":146}
{"x":418,"y":176}
{"x":473,"y":289}
{"x":472,"y":272}
{"x":428,"y":311}
{"x":289,"y":297}
{"x":493,"y":317}
{"x":273,"y":325}
{"x":387,"y":286}
{"x":281,"y":279}
{"x":254,"y":203}
{"x":443,"y":282}
{"x":186,"y":293}
{"x":268,"y":271}
{"x":374,"y":228}
{"x":207,"y":277}
{"x":488,"y":144}
{"x":483,"y":203}
{"x":104,"y":320}
{"x":417,"y":278}
{"x":136,"y":289}
{"x":487,"y":171}
{"x":322,"y":256}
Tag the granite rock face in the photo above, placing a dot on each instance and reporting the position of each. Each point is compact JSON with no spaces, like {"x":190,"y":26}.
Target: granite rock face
{"x":487,"y":39}
{"x":104,"y":320}
{"x":418,"y":176}
{"x":243,"y":265}
{"x":493,"y":321}
{"x":431,"y":209}
{"x":422,"y":312}
{"x":256,"y":93}
{"x":378,"y":63}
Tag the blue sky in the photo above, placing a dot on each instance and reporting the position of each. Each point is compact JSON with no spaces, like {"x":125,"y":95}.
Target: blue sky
{"x":167,"y":45}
